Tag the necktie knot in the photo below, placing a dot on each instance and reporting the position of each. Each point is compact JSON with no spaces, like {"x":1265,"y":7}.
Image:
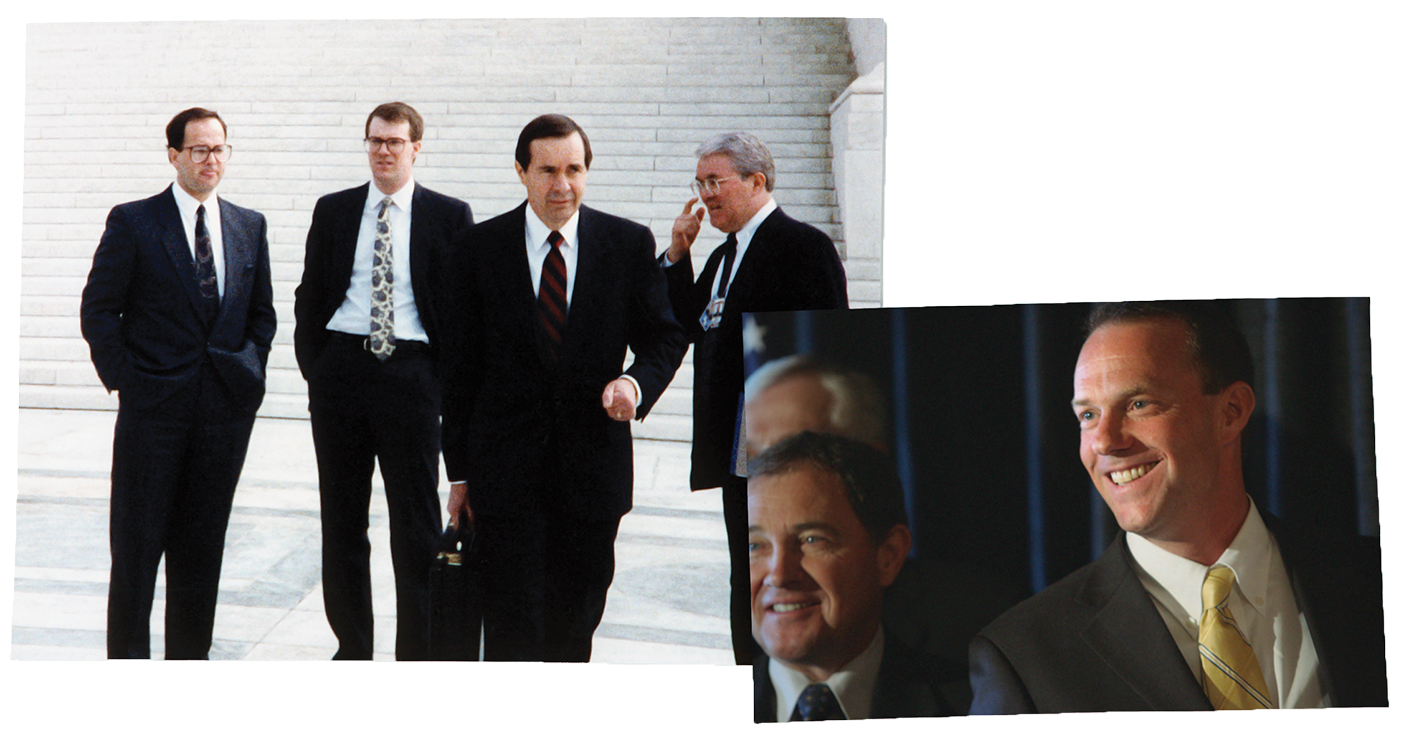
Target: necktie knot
{"x":1217,"y":585}
{"x":555,"y":239}
{"x":817,"y":702}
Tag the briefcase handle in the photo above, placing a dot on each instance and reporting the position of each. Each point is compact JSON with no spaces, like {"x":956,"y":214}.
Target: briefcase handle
{"x":457,"y":542}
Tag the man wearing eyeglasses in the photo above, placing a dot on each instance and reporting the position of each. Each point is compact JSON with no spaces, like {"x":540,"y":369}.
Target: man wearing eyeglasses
{"x":769,"y":262}
{"x":367,"y":341}
{"x":178,"y":314}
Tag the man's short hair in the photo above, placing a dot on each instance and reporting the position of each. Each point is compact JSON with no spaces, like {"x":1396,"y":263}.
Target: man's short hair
{"x":549,"y":126}
{"x":858,"y":409}
{"x":869,"y":476}
{"x":175,"y":129}
{"x":1216,"y":346}
{"x":747,"y":153}
{"x":393,"y":112}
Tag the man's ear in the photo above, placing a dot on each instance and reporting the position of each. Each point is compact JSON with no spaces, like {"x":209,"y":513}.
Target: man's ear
{"x":1236,"y":407}
{"x":892,"y":553}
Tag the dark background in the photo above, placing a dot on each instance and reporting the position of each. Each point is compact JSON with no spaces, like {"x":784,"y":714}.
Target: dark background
{"x":987,"y":443}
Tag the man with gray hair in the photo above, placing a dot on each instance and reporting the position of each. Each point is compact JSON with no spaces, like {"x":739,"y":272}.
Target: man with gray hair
{"x":769,"y":262}
{"x":803,"y":393}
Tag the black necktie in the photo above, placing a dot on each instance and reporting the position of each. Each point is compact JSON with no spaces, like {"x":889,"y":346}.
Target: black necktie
{"x":729,"y":248}
{"x":551,"y":294}
{"x":817,"y":703}
{"x":204,"y":264}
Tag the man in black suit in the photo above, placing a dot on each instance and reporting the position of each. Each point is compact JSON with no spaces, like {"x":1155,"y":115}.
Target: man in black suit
{"x":769,"y":262}
{"x":368,"y":343}
{"x":178,"y":313}
{"x":827,"y":536}
{"x":1162,"y":393}
{"x":536,"y":412}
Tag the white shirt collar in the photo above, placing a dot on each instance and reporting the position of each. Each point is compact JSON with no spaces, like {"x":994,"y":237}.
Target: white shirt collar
{"x":402,"y":197}
{"x":744,"y":235}
{"x":187,"y":203}
{"x":537,"y":231}
{"x":1248,"y":555}
{"x":853,"y":684}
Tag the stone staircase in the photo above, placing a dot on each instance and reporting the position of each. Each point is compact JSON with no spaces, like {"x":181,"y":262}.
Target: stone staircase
{"x":296,"y":93}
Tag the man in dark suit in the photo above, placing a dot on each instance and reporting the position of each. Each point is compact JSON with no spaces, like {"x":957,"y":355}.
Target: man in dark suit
{"x":769,"y":262}
{"x":536,"y":433}
{"x":368,"y":309}
{"x":178,"y":313}
{"x":827,"y":536}
{"x":1162,"y":392}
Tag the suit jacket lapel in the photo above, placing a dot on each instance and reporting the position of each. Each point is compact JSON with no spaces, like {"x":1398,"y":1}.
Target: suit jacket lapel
{"x":238,"y":255}
{"x":590,"y":272}
{"x":1130,"y":635}
{"x":344,"y":258}
{"x":419,"y":256}
{"x":173,"y":240}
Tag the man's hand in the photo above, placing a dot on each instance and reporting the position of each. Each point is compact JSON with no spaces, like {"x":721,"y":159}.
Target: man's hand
{"x":458,"y":500}
{"x":685,"y":229}
{"x":619,"y":399}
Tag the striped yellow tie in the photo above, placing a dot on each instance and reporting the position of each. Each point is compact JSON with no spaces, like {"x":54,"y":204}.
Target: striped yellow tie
{"x":1232,"y":678}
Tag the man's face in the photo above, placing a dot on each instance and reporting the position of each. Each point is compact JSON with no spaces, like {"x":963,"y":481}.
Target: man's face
{"x":391,"y":171}
{"x":555,"y":178}
{"x":816,"y":575}
{"x":198,"y":179}
{"x":1152,"y":441}
{"x":792,"y":405}
{"x":737,"y":200}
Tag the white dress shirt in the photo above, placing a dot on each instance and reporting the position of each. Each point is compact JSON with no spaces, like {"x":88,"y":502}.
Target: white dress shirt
{"x":743,"y":242}
{"x":853,"y":684}
{"x":537,"y":249}
{"x":1261,"y":602}
{"x":189,"y":208}
{"x":353,"y":317}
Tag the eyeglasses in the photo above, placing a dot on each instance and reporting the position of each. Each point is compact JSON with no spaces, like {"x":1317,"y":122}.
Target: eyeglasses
{"x":198,"y":153}
{"x":710,"y":186}
{"x":395,"y":145}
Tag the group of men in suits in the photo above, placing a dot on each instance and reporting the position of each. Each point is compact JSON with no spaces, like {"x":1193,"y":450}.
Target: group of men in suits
{"x":1203,"y":602}
{"x":500,"y":345}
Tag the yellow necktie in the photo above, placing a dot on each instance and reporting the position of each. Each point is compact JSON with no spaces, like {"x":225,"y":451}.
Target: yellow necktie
{"x":1232,"y":678}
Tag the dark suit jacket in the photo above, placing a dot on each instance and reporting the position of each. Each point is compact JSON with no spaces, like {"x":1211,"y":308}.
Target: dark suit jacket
{"x":1095,"y":642}
{"x":909,"y":683}
{"x":436,"y":221}
{"x":140,"y":312}
{"x":789,"y":266}
{"x":506,"y":405}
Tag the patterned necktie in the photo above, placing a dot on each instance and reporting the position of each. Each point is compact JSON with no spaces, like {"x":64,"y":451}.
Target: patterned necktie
{"x":817,"y":703}
{"x":1232,"y":678}
{"x":728,"y":247}
{"x":551,"y":295}
{"x":204,"y":265}
{"x":382,"y":325}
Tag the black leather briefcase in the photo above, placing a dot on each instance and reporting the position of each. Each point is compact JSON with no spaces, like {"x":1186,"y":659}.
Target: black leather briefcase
{"x":456,"y":611}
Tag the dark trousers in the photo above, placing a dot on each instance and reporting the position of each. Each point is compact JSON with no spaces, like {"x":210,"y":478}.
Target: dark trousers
{"x":174,"y":469}
{"x":364,"y":411}
{"x":546,"y":571}
{"x":743,"y":644}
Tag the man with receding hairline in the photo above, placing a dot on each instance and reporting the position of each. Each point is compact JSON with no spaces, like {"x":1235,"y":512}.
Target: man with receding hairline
{"x":536,"y":416}
{"x":368,"y":341}
{"x":178,"y":312}
{"x":1204,"y":601}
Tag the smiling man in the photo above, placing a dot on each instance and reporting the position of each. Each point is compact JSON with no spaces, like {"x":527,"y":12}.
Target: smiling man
{"x":369,"y":344}
{"x":769,"y":262}
{"x":538,"y":401}
{"x":178,"y":312}
{"x":1204,"y":601}
{"x":827,"y":534}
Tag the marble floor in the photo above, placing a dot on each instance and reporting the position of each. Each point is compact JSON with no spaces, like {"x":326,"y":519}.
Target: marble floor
{"x":667,"y":604}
